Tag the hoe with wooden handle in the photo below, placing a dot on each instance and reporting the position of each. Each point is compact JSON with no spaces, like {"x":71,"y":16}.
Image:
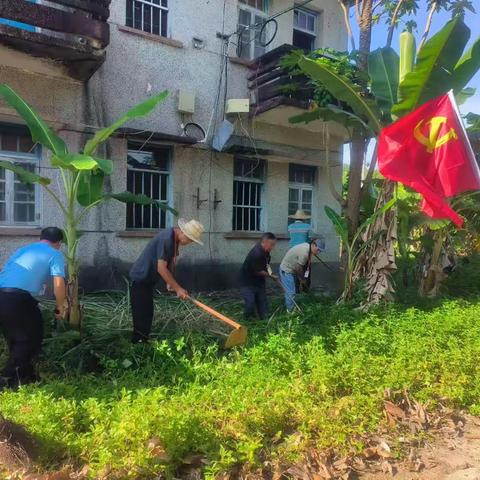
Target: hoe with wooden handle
{"x":237,"y":337}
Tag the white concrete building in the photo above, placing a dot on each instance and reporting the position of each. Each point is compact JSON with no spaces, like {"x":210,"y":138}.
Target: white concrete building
{"x":88,"y":61}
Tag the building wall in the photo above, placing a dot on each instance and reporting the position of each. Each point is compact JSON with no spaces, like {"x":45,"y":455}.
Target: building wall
{"x":137,"y":67}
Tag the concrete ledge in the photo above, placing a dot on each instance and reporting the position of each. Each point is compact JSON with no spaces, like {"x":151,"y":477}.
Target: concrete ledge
{"x":254,"y":235}
{"x":19,"y":232}
{"x":137,"y":233}
{"x":241,"y":61}
{"x":150,"y":36}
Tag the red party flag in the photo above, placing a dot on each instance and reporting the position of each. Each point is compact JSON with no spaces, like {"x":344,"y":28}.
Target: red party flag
{"x":428,"y":150}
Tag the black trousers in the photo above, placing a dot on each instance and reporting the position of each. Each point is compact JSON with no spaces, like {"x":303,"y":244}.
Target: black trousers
{"x":141,"y":301}
{"x":21,"y":324}
{"x":255,"y":299}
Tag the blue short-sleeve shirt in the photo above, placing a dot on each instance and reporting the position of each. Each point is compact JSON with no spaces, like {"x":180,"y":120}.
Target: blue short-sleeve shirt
{"x":298,"y":233}
{"x":30,"y":268}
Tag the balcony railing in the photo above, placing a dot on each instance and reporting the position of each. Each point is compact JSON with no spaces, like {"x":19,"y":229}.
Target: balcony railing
{"x":74,"y":32}
{"x":271,"y":85}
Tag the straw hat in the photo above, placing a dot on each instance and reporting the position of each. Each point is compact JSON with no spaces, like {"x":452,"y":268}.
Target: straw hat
{"x":300,"y":215}
{"x":192,"y":229}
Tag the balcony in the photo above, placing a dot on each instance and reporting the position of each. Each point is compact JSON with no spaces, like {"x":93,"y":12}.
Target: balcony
{"x":73,"y":33}
{"x":272,"y":87}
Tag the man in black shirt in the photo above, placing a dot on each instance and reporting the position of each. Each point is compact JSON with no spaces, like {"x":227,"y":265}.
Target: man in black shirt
{"x":255,"y":269}
{"x":155,"y":262}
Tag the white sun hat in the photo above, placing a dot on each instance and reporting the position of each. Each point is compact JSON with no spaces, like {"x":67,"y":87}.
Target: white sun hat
{"x":193,"y":229}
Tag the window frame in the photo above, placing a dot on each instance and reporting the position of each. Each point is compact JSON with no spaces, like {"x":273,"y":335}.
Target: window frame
{"x":163,"y":10}
{"x":312,"y":33}
{"x":302,"y":187}
{"x":254,"y":12}
{"x":251,"y":180}
{"x":21,"y":159}
{"x":153,"y":149}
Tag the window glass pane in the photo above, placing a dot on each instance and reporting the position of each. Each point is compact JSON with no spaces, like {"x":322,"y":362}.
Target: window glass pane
{"x":307,"y":196}
{"x":147,"y":18}
{"x":129,"y":14}
{"x":137,"y":15}
{"x":301,"y":174}
{"x":24,"y":212}
{"x":293,"y":194}
{"x":164,"y":15}
{"x":10,"y":143}
{"x":311,"y":23}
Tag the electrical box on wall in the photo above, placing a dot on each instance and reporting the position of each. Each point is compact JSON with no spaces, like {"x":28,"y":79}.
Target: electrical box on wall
{"x":186,"y":101}
{"x":238,"y":105}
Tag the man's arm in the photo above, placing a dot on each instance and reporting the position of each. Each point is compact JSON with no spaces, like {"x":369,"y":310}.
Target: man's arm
{"x":164,"y":272}
{"x":60,"y":291}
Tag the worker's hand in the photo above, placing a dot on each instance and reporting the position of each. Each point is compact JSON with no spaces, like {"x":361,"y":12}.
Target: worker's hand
{"x":182,"y":293}
{"x":60,"y":313}
{"x":274,"y":277}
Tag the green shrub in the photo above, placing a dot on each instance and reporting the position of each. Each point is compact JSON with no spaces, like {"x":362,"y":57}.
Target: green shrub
{"x":318,"y":377}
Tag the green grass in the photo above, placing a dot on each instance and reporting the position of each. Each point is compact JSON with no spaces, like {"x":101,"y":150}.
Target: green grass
{"x":317,"y":378}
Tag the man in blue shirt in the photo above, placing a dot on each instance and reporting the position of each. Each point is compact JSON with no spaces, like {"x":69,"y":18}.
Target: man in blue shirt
{"x":24,"y":275}
{"x":299,"y":230}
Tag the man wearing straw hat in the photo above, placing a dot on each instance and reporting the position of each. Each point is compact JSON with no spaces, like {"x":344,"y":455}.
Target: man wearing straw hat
{"x":299,"y":230}
{"x":158,"y":261}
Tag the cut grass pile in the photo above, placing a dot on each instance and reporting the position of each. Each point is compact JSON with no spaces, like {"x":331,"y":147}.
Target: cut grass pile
{"x":318,"y":379}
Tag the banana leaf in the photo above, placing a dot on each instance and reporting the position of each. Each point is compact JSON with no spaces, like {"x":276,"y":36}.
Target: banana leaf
{"x":90,"y":187}
{"x":463,"y":95}
{"x":24,"y":175}
{"x":339,"y":223}
{"x":383,"y":68}
{"x":140,"y":110}
{"x":40,"y":131}
{"x":432,"y":74}
{"x":139,"y":199}
{"x":467,"y":67}
{"x":79,"y":161}
{"x":344,"y":90}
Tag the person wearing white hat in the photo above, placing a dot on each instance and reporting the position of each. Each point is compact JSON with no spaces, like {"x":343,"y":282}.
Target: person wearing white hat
{"x":300,"y":229}
{"x":157,"y":261}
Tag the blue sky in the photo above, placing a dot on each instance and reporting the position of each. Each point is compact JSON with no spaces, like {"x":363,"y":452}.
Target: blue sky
{"x":439,"y":19}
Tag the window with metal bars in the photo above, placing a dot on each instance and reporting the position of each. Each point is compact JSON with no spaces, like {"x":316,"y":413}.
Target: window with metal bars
{"x":248,"y":186}
{"x":300,"y":191}
{"x":150,"y":16}
{"x":148,"y":173}
{"x":19,"y":203}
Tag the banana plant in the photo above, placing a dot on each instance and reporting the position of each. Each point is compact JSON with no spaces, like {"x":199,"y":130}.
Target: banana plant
{"x":397,"y":85}
{"x":82,"y":178}
{"x":355,"y":247}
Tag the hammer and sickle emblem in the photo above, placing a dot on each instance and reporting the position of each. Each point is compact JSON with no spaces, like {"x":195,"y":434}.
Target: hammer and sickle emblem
{"x":434,"y":140}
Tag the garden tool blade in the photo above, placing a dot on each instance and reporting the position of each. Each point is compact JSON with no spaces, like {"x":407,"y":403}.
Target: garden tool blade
{"x":236,"y":337}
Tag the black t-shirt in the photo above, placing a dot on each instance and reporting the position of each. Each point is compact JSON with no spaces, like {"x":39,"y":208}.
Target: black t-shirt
{"x":256,"y":261}
{"x":161,"y":247}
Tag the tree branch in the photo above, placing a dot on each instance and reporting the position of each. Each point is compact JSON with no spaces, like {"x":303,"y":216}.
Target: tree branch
{"x":393,"y":23}
{"x":347,"y":23}
{"x":427,"y":26}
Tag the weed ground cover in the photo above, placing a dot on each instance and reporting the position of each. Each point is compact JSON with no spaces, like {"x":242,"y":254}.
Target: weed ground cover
{"x":313,"y":379}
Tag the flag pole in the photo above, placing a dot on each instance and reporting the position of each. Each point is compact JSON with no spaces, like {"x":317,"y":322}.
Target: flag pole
{"x":473,"y":159}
